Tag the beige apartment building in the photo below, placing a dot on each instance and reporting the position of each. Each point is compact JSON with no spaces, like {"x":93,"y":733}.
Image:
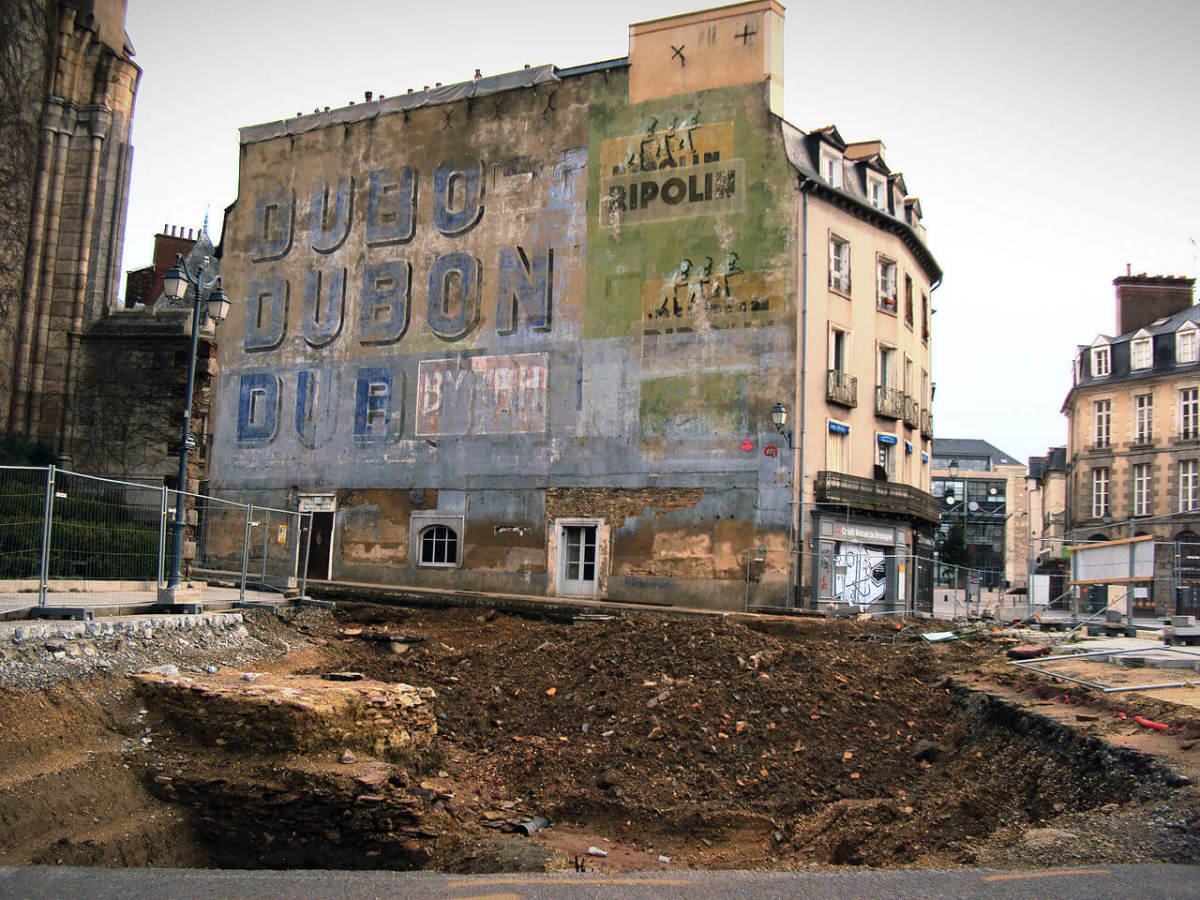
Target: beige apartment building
{"x":1134,"y":428}
{"x":866,"y":328}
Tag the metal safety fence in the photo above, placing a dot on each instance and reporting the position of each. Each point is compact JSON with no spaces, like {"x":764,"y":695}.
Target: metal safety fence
{"x":65,"y":533}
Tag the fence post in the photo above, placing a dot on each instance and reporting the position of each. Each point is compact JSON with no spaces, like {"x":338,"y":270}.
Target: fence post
{"x":245,"y":552}
{"x":262,"y":581}
{"x":162,"y":533}
{"x":47,"y":519}
{"x":304,"y":559}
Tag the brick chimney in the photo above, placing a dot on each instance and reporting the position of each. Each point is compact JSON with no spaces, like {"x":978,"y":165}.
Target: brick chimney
{"x":146,"y":285}
{"x":1143,"y":298}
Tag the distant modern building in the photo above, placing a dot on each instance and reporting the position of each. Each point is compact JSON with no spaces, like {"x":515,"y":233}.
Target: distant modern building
{"x":534,"y":331}
{"x":982,"y":490}
{"x":1133,"y":451}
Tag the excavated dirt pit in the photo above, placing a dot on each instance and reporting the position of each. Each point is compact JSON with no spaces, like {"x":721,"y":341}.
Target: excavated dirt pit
{"x":666,"y":743}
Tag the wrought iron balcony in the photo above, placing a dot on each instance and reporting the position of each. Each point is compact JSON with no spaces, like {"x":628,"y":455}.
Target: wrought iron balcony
{"x":912,"y":411}
{"x":889,"y":402}
{"x":879,"y":496}
{"x":841,"y":388}
{"x":926,"y":424}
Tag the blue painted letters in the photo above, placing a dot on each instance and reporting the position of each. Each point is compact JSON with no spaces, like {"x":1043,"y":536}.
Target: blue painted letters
{"x":324,"y":305}
{"x":391,"y":206}
{"x":274,"y":215}
{"x":330,"y":223}
{"x":385,"y":302}
{"x":525,"y":285}
{"x":378,"y":405}
{"x":454,"y":286}
{"x":258,"y":408}
{"x":266,"y":313}
{"x":457,"y":196}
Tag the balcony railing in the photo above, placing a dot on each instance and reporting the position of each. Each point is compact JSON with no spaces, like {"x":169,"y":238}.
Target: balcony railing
{"x":841,"y":388}
{"x":877,"y":496}
{"x":889,"y":402}
{"x":912,"y":411}
{"x":926,"y":424}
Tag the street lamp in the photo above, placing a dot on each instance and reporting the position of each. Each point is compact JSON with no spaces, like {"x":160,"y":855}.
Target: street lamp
{"x":207,"y":284}
{"x":779,"y":417}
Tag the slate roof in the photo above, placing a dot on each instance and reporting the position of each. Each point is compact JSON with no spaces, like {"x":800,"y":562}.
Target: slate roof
{"x":803,"y":151}
{"x":972,"y":447}
{"x":1162,"y":354}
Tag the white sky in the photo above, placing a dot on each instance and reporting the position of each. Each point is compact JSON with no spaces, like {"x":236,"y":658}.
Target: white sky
{"x":1050,"y":142}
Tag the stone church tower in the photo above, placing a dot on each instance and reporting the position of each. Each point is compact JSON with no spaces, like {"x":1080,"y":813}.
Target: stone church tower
{"x":65,"y":128}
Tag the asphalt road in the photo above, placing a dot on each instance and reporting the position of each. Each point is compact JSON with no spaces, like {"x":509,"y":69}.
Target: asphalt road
{"x":1157,"y":881}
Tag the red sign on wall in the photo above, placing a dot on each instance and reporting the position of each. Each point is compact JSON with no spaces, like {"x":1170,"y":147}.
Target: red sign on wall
{"x":747,"y":445}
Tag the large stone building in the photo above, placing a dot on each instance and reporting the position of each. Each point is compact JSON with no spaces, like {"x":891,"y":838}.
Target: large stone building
{"x":527,"y":333}
{"x":1133,"y":451}
{"x":99,"y":384}
{"x":73,"y":130}
{"x":983,"y":492}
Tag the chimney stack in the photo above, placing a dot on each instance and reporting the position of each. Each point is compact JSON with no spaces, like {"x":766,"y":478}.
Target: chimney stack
{"x":1141,"y":299}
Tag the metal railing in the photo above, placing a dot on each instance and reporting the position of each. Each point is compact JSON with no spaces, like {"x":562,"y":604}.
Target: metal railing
{"x":889,"y":402}
{"x":841,"y":388}
{"x":64,"y":532}
{"x":926,"y":423}
{"x":912,"y":411}
{"x":881,"y":496}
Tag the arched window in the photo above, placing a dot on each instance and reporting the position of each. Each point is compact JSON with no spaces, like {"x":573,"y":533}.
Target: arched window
{"x":439,"y":546}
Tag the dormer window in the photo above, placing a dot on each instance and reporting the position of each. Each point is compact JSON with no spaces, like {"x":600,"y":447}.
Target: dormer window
{"x":1140,"y":353}
{"x":831,"y":168}
{"x":877,"y":189}
{"x":1101,"y":362}
{"x":1185,"y":345}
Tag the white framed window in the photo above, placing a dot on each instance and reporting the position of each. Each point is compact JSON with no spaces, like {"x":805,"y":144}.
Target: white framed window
{"x":1140,"y":353}
{"x":1103,"y":418}
{"x":837,"y":447}
{"x":1099,"y":493}
{"x":885,"y":283}
{"x":1143,"y":418}
{"x":1189,"y":485}
{"x":839,"y":349}
{"x":839,"y":264}
{"x":831,"y":168}
{"x":1185,"y":345}
{"x":1189,"y":413}
{"x":1141,"y":489}
{"x":439,"y":546}
{"x":887,"y":367}
{"x":1101,"y":362}
{"x":877,"y":191}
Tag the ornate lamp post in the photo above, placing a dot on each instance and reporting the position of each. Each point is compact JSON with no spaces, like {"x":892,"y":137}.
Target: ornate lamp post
{"x":209,"y":302}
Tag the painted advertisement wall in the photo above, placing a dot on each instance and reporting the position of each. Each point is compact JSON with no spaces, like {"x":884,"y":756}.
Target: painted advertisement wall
{"x":478,"y":302}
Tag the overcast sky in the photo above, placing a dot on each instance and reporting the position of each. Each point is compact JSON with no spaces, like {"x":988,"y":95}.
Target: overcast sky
{"x":1050,"y":141}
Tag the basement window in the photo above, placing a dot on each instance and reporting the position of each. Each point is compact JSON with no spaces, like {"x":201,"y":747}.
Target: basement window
{"x":439,"y":546}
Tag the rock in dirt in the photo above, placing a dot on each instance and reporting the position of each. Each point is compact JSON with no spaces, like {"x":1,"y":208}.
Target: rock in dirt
{"x":609,"y":778}
{"x":596,"y":851}
{"x":1040,"y":838}
{"x":347,"y":758}
{"x":1028,"y":651}
{"x":343,"y":676}
{"x":927,"y":751}
{"x":168,"y":671}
